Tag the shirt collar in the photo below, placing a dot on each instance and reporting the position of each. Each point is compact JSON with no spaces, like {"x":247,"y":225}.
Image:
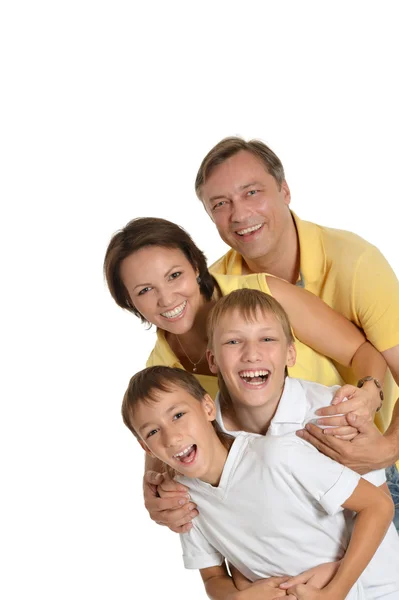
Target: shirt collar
{"x":292,"y":405}
{"x":312,"y":253}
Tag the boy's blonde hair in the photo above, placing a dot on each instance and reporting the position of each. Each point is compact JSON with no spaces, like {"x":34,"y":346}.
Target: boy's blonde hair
{"x":248,"y":303}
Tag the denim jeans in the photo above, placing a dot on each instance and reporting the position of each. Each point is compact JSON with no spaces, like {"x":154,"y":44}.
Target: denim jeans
{"x":393,"y":484}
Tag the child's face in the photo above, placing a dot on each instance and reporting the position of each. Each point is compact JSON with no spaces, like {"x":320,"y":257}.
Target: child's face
{"x":251,"y":356}
{"x":177,"y":429}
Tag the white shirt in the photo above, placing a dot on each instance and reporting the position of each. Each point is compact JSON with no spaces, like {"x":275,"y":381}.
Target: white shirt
{"x":277,"y":510}
{"x":297,"y":407}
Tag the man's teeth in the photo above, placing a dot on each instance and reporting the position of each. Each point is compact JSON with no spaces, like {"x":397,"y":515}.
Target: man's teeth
{"x":249,"y":229}
{"x":175,"y":312}
{"x":184,"y":452}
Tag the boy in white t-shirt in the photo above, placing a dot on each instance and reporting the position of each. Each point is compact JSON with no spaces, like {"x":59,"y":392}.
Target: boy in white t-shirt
{"x":270,"y":504}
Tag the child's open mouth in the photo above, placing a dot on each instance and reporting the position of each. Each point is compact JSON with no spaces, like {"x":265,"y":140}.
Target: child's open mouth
{"x":255,"y":378}
{"x":187,"y":455}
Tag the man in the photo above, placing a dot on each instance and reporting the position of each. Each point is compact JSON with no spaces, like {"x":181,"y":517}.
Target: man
{"x":243,"y":188}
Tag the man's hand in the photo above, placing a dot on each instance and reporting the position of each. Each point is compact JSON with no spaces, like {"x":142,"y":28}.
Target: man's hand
{"x":361,"y":404}
{"x":168,"y":502}
{"x":318,"y":577}
{"x":368,"y":451}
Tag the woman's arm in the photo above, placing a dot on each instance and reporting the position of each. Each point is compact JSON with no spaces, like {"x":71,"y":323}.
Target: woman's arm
{"x":329,"y":333}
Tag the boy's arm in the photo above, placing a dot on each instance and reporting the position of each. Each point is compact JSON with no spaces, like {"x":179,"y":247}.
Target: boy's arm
{"x":374,"y":514}
{"x":166,"y":500}
{"x":220,"y":586}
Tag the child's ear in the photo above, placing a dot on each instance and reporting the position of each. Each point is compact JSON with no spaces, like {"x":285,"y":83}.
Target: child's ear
{"x":210,"y":357}
{"x":209,"y":407}
{"x":146,"y":448}
{"x":291,"y":355}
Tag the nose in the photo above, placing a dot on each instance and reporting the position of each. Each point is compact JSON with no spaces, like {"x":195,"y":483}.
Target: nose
{"x":239,"y":211}
{"x":165,"y":297}
{"x":251,"y":352}
{"x":171,"y":437}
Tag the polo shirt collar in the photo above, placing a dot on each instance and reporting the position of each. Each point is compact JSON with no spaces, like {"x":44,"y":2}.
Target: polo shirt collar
{"x":312,"y":252}
{"x":292,"y":405}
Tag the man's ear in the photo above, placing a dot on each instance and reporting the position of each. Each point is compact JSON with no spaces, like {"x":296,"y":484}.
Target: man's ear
{"x":146,"y":448}
{"x":209,"y":407}
{"x":291,"y":355}
{"x":210,"y":357}
{"x":286,"y":192}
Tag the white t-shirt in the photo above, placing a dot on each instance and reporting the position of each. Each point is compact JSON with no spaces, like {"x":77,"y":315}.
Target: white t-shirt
{"x":297,"y":406}
{"x":277,"y":510}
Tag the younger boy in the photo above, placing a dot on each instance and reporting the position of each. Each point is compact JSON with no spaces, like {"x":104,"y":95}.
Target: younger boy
{"x":269,"y":505}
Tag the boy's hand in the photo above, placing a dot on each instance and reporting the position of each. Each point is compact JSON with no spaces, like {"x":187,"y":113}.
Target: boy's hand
{"x":318,"y":577}
{"x":309,"y":592}
{"x":263,"y":589}
{"x":168,"y":502}
{"x":361,"y":405}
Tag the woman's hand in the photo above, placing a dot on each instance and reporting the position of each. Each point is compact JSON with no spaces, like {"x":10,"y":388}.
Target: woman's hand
{"x":168,"y":502}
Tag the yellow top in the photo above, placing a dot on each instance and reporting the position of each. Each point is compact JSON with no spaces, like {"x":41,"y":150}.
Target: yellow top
{"x":353,"y":277}
{"x":309,"y":365}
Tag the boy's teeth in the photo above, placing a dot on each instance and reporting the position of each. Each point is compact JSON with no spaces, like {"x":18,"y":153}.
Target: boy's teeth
{"x":260,"y":373}
{"x":249,"y":229}
{"x":184,"y":452}
{"x":176,"y":311}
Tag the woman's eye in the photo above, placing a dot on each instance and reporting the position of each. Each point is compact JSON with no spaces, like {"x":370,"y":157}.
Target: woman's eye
{"x":179,"y":415}
{"x":144,"y":291}
{"x":175,"y":275}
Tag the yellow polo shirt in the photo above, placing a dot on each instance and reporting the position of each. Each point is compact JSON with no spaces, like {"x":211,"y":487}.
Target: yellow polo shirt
{"x":310,"y":364}
{"x":353,"y":277}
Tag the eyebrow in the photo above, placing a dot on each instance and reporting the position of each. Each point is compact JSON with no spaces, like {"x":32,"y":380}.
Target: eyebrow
{"x":241,"y":188}
{"x":231,"y":331}
{"x":166,"y":274}
{"x":169,"y":410}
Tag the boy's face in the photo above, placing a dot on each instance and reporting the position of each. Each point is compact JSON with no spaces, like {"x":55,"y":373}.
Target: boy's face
{"x":177,"y":429}
{"x":251,"y":356}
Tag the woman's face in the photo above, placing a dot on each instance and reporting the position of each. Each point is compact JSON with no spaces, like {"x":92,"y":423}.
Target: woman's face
{"x":162,"y":284}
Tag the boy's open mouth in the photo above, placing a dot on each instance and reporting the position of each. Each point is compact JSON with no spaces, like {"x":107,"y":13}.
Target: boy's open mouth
{"x":255,"y":377}
{"x":187,"y":455}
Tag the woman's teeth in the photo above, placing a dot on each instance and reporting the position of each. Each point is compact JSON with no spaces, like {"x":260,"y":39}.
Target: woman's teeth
{"x":175,"y":312}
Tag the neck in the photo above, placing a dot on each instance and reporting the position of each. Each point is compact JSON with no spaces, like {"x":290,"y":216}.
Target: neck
{"x":219,"y":457}
{"x":283,"y":261}
{"x":254,"y":419}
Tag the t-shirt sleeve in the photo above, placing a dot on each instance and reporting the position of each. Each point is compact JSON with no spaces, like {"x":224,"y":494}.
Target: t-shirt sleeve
{"x":375,"y":296}
{"x":377,"y":477}
{"x":198,"y":553}
{"x":327,"y":481}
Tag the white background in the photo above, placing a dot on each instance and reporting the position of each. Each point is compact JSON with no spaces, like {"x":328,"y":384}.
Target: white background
{"x":107,"y":110}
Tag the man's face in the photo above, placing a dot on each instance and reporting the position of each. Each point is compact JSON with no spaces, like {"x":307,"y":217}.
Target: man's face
{"x":249,"y":209}
{"x":251,"y":355}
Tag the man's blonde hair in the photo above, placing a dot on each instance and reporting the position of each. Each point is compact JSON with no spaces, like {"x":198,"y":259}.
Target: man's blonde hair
{"x":230,"y":146}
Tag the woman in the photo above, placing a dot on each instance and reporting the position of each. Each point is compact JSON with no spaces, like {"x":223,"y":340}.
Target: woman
{"x":154,"y":269}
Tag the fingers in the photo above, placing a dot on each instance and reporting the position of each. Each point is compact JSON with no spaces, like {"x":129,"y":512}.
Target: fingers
{"x":291,"y":581}
{"x":277,"y":581}
{"x":346,"y":432}
{"x":344,"y":391}
{"x":169,"y":488}
{"x":332,"y":422}
{"x":343,"y":408}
